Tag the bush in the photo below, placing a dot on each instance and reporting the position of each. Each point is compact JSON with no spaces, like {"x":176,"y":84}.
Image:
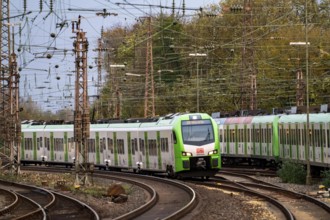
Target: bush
{"x":292,"y":172}
{"x":326,"y":178}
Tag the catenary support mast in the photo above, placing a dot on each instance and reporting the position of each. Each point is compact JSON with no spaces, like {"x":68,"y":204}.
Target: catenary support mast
{"x":81,"y":113}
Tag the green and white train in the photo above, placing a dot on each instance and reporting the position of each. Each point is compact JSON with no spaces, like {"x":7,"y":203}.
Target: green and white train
{"x":272,"y":138}
{"x":179,"y":145}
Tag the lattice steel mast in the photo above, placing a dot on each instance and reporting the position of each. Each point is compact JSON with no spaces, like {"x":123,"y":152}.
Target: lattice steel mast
{"x":81,"y":113}
{"x":149,"y":94}
{"x":248,"y":68}
{"x":10,"y":127}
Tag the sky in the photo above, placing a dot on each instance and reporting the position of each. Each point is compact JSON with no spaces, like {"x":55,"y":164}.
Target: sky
{"x":44,"y":41}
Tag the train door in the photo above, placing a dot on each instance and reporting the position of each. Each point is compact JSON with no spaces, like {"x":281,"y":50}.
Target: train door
{"x":318,"y":140}
{"x":152,"y":150}
{"x":301,"y":141}
{"x":166,"y":154}
{"x":71,"y":147}
{"x":91,"y":146}
{"x":133,"y":145}
{"x":249,"y":139}
{"x":121,"y":148}
{"x":57,"y":145}
{"x":284,"y":140}
{"x":110,"y":155}
{"x":327,"y":144}
{"x":240,"y":140}
{"x":264,"y":139}
{"x":256,"y":139}
{"x":27,"y":145}
{"x":222,"y":139}
{"x":293,"y":141}
{"x":232,"y":140}
{"x":102,"y":147}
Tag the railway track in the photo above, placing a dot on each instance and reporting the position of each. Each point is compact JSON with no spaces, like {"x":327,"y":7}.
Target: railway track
{"x":170,"y":199}
{"x":301,"y":206}
{"x":37,"y":203}
{"x":167,"y":199}
{"x":250,"y":171}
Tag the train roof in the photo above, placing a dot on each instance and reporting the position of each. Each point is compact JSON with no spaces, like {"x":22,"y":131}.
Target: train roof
{"x":165,"y":122}
{"x":301,"y":118}
{"x":264,"y":119}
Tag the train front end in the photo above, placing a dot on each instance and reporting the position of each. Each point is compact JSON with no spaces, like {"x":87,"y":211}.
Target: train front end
{"x":197,"y":148}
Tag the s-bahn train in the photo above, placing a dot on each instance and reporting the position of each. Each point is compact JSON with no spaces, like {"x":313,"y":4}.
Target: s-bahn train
{"x":272,"y":138}
{"x":179,"y":145}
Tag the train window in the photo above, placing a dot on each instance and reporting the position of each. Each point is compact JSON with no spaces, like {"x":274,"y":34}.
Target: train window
{"x":142,"y":147}
{"x":240,"y":135}
{"x":257,"y":133}
{"x":58,"y":144}
{"x":252,"y":135}
{"x":39,"y":143}
{"x":304,"y":136}
{"x":220,"y":136}
{"x":291,"y":135}
{"x":225,"y":135}
{"x":47,"y":144}
{"x":91,"y":145}
{"x":102,"y":145}
{"x":322,"y":141}
{"x":318,"y":137}
{"x":282,"y":135}
{"x":197,"y":132}
{"x":120,"y":146}
{"x":164,"y":144}
{"x":328,"y":136}
{"x":152,"y":147}
{"x":110,"y":145}
{"x":264,"y":135}
{"x":134,"y":145}
{"x":28,"y":143}
{"x":248,"y":135}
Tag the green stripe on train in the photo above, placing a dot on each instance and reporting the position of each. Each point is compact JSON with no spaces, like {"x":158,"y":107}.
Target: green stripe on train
{"x":245,"y":139}
{"x":34,"y":145}
{"x":322,"y":144}
{"x":52,"y":154}
{"x":129,"y":146}
{"x":115,"y":148}
{"x":146,"y":144}
{"x":236,"y":139}
{"x":66,"y":154}
{"x":97,"y":150}
{"x":227,"y":138}
{"x":159,"y":151}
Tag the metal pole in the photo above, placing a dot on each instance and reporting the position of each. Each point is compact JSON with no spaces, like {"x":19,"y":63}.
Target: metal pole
{"x":197,"y":87}
{"x":308,"y":175}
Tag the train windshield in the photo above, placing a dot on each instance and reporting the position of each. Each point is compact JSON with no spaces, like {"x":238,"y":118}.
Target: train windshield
{"x":197,"y":132}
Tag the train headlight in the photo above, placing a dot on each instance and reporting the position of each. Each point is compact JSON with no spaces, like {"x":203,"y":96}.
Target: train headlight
{"x":186,"y":154}
{"x":213,"y":152}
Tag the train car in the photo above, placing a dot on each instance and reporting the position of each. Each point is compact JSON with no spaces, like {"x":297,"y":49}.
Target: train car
{"x":47,"y":144}
{"x":292,"y":138}
{"x":181,"y":145}
{"x":251,"y":139}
